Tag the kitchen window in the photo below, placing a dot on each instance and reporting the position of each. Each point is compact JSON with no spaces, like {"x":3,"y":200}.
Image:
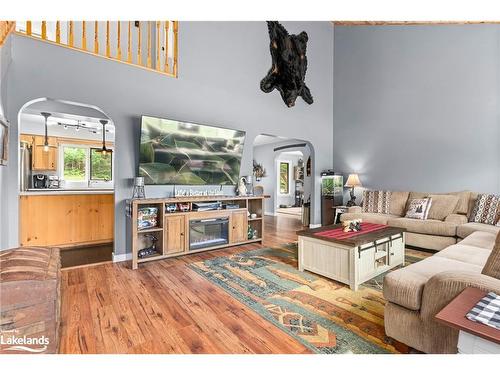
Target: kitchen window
{"x":83,"y":166}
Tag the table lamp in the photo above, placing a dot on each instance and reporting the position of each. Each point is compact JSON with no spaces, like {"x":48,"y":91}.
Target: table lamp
{"x":352,"y":182}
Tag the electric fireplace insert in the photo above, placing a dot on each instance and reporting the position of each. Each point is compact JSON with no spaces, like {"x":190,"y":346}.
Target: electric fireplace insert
{"x":208,"y":232}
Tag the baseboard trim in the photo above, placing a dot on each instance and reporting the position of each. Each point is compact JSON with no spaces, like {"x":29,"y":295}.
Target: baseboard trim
{"x":312,"y":226}
{"x":121,"y":257}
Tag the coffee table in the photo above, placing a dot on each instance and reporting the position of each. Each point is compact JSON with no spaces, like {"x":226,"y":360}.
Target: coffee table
{"x":352,"y":260}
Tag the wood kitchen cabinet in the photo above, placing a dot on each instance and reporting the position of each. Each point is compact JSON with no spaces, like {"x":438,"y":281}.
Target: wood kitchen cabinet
{"x":27,"y":138}
{"x":239,"y":226}
{"x":44,"y":160}
{"x":62,"y":220}
{"x":175,"y":236}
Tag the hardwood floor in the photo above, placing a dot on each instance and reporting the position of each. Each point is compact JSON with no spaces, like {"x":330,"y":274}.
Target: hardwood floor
{"x":165,"y":307}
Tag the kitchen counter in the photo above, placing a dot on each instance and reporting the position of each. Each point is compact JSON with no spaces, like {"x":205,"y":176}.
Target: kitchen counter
{"x":66,"y":217}
{"x":66,"y":191}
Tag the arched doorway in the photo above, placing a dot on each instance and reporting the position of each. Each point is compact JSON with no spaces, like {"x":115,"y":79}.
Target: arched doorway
{"x":66,"y":179}
{"x":289,"y":180}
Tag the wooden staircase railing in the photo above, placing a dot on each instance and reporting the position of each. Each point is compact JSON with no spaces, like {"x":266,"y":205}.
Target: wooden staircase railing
{"x":151,"y":45}
{"x":6,"y":27}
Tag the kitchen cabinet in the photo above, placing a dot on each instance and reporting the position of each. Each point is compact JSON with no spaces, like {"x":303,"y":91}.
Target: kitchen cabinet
{"x":26,"y":138}
{"x":61,"y":220}
{"x":175,"y":236}
{"x":44,"y":160}
{"x":239,"y":227}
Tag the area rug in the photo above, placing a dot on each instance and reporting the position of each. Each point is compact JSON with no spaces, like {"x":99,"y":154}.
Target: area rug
{"x":324,"y":315}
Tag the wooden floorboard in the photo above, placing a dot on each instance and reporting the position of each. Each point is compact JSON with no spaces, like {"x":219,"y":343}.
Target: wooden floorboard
{"x":165,"y":307}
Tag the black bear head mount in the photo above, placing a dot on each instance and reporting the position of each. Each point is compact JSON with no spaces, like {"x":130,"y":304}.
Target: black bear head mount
{"x":289,"y":65}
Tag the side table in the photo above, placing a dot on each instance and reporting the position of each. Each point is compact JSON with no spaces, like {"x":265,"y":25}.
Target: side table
{"x":474,"y":337}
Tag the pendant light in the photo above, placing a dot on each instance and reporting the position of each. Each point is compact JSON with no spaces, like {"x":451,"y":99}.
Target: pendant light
{"x":104,"y":150}
{"x":46,"y":115}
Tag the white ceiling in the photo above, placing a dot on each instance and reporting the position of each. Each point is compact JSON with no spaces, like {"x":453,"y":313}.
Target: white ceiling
{"x":294,"y":153}
{"x":69,"y":114}
{"x":59,"y":106}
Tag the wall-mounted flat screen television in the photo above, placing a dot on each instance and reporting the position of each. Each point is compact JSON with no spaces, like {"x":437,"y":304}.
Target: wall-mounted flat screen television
{"x":183,"y":153}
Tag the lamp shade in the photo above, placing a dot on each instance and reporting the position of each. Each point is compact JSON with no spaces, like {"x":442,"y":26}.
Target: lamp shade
{"x":353,"y":181}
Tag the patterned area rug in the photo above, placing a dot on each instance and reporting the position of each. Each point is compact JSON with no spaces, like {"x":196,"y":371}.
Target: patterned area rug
{"x":326,"y":316}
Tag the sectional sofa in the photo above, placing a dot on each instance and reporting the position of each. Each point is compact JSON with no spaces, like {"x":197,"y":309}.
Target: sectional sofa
{"x":447,"y":223}
{"x":416,"y":293}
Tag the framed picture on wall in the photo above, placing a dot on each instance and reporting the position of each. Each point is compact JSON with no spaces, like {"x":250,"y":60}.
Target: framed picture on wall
{"x":4,"y":140}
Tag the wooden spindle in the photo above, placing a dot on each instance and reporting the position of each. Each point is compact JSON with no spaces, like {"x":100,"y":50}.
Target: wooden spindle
{"x":157,"y":67}
{"x":71,"y":34}
{"x":96,"y":37}
{"x":118,"y":45}
{"x":176,"y":31}
{"x":139,"y":57}
{"x":44,"y":30}
{"x":149,"y":45}
{"x":108,"y":48}
{"x":58,"y":31}
{"x":84,"y":36}
{"x":167,"y":64}
{"x":129,"y":48}
{"x":28,"y":27}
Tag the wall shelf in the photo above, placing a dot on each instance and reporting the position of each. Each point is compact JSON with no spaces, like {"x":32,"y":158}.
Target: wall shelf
{"x":149,"y":230}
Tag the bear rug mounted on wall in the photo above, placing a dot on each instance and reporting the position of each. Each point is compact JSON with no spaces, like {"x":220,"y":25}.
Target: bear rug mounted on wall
{"x":289,"y":65}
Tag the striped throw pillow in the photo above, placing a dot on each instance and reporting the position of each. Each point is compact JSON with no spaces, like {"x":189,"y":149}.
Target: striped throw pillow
{"x":486,"y":209}
{"x":376,"y":201}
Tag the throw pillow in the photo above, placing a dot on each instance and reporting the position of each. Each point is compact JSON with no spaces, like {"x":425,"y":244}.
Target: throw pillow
{"x":376,"y":201}
{"x":485,"y":210}
{"x":419,"y":208}
{"x":492,"y":266}
{"x":442,"y":206}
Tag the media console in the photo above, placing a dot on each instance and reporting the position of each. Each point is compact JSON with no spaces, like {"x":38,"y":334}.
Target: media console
{"x":187,"y":225}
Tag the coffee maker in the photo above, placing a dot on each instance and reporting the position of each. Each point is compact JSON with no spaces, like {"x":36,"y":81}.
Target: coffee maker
{"x":40,"y":181}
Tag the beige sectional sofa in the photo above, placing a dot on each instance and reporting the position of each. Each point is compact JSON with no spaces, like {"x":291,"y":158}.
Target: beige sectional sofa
{"x":448,"y":225}
{"x":416,"y":293}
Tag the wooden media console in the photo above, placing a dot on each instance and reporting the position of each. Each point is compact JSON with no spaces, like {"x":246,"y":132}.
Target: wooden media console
{"x":182,"y":229}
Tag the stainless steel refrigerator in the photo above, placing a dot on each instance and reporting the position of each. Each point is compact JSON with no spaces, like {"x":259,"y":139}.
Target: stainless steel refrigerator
{"x":25,"y":166}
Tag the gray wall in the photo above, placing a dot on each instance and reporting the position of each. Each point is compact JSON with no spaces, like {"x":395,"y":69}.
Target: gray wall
{"x":5,"y":60}
{"x":417,"y":108}
{"x":220,"y":67}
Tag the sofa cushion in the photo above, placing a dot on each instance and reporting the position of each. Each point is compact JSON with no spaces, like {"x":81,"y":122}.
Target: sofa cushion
{"x":368,"y":217}
{"x":377,"y":201}
{"x":397,"y":205}
{"x":435,"y":227}
{"x":442,"y":206}
{"x":466,"y":253}
{"x":405,"y":285}
{"x":485,"y":240}
{"x":466,"y":229}
{"x":492,"y":266}
{"x":418,"y":208}
{"x":429,"y":241}
{"x":463,"y":201}
{"x":486,"y":209}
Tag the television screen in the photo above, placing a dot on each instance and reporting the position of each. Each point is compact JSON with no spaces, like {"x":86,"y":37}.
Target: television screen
{"x":182,"y":153}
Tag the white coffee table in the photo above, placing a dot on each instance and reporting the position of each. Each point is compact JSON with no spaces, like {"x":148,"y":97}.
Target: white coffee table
{"x":354,"y":260}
